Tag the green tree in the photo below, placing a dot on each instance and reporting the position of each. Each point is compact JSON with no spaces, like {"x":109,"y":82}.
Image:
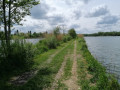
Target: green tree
{"x":30,"y":34}
{"x":72,"y":33}
{"x":56,"y":31}
{"x":13,"y":11}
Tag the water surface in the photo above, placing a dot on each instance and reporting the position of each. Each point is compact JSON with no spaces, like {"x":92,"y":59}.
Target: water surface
{"x":33,"y":41}
{"x":106,"y":50}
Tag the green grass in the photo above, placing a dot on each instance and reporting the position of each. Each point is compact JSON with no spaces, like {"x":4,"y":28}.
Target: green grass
{"x":67,"y":69}
{"x":69,"y":63}
{"x":38,"y":61}
{"x":98,"y":72}
{"x":86,"y":65}
{"x":45,"y":75}
{"x":83,"y":82}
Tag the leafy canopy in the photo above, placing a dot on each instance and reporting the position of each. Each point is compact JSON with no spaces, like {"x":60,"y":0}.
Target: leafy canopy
{"x":72,"y":33}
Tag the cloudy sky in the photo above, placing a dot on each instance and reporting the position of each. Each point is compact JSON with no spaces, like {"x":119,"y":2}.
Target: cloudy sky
{"x":86,"y":16}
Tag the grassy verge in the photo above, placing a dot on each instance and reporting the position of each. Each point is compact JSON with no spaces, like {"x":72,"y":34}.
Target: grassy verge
{"x":38,"y":61}
{"x":83,"y":76}
{"x":99,"y":79}
{"x":69,"y":63}
{"x":45,"y":75}
{"x":67,"y":69}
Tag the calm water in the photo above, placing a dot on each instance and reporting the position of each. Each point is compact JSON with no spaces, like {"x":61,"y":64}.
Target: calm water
{"x":34,"y":41}
{"x":105,"y":50}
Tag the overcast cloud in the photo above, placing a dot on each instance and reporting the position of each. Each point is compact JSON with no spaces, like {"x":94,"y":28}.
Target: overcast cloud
{"x":98,"y":11}
{"x":109,"y":19}
{"x":86,"y":16}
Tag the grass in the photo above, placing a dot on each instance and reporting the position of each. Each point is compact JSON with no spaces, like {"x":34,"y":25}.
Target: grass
{"x":83,"y":79}
{"x":99,"y":79}
{"x":69,"y":63}
{"x":91,"y":74}
{"x":38,"y":61}
{"x":45,"y":75}
{"x":67,"y":69}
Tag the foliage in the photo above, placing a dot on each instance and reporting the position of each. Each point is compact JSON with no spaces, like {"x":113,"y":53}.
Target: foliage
{"x":52,"y":43}
{"x":72,"y":33}
{"x":104,"y":34}
{"x":1,"y":35}
{"x":28,"y":35}
{"x":41,"y":47}
{"x":56,"y":31}
{"x":12,"y":13}
{"x":45,"y":74}
{"x":67,"y":38}
{"x":21,"y":55}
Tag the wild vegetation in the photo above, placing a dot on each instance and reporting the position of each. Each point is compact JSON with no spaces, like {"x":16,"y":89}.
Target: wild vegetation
{"x":26,"y":56}
{"x":92,"y":75}
{"x":59,"y":61}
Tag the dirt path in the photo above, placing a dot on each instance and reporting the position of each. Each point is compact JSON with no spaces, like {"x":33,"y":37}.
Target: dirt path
{"x":59,"y":74}
{"x":72,"y":82}
{"x":22,"y":79}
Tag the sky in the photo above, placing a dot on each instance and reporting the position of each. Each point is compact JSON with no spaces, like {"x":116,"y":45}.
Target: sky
{"x":85,"y":16}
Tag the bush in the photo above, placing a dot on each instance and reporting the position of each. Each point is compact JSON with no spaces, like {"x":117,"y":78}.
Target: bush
{"x":67,"y":38}
{"x":41,"y":47}
{"x":20,"y":56}
{"x":46,"y":44}
{"x":52,"y":43}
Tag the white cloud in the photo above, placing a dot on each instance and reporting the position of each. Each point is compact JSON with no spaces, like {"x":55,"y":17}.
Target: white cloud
{"x":76,"y":1}
{"x":50,"y":13}
{"x":77,"y":14}
{"x":98,"y":11}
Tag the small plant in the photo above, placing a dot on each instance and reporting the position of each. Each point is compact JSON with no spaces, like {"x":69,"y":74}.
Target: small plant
{"x":52,"y":42}
{"x":20,"y":56}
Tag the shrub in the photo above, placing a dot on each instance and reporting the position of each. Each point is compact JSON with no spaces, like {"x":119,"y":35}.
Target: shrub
{"x":59,"y":37}
{"x":20,"y":56}
{"x":67,"y":38}
{"x":52,"y":42}
{"x":41,"y":47}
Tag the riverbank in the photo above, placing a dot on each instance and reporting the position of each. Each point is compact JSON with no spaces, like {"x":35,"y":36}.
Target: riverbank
{"x":70,"y":66}
{"x":94,"y":74}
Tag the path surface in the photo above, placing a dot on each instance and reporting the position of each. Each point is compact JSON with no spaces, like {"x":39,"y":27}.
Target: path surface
{"x":72,"y":82}
{"x":59,"y":74}
{"x":22,"y":79}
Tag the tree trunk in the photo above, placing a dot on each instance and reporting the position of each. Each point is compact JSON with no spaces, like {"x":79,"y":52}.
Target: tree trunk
{"x":5,"y":24}
{"x":9,"y":24}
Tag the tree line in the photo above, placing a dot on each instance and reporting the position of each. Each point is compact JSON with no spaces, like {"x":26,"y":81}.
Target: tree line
{"x":104,"y":34}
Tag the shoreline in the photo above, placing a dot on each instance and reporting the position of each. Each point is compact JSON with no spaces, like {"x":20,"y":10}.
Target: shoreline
{"x":98,"y":72}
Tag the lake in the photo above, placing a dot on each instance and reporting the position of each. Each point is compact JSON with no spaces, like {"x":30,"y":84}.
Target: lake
{"x":106,"y":50}
{"x":33,"y":41}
